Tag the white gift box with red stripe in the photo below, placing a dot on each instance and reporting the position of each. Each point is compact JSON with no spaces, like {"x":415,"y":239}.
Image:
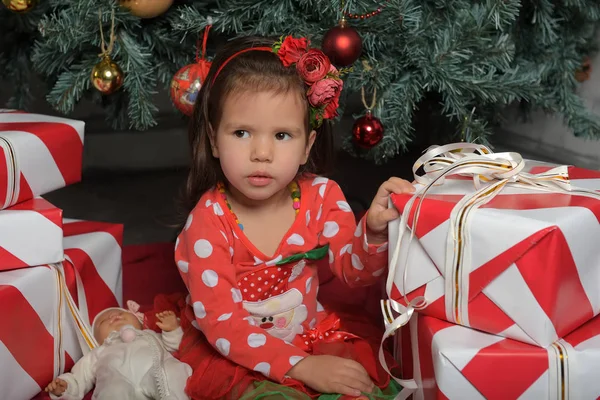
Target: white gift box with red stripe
{"x":39,"y":337}
{"x":523,"y":263}
{"x":38,"y":154}
{"x":453,"y":362}
{"x":30,"y":234}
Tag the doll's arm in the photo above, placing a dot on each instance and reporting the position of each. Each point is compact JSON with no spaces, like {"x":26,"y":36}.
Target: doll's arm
{"x":80,"y":380}
{"x":172,"y":339}
{"x":171,"y":330}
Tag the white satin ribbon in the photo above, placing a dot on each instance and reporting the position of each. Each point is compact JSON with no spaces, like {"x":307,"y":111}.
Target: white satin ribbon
{"x":490,"y":173}
{"x":79,"y":314}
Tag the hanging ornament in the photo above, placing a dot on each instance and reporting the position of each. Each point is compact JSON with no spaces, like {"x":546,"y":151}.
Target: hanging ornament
{"x":187,"y":82}
{"x":582,"y":73}
{"x":146,"y":8}
{"x":107,"y":76}
{"x":367,"y":131}
{"x":20,"y":6}
{"x":342,"y":44}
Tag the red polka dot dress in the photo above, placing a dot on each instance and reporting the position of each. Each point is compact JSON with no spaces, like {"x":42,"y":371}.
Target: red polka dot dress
{"x":257,"y":311}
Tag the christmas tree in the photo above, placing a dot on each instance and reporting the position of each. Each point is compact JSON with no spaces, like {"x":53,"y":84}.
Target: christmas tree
{"x":471,"y":58}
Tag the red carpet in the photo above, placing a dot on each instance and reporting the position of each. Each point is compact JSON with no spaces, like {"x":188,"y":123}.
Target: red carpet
{"x":150,"y":269}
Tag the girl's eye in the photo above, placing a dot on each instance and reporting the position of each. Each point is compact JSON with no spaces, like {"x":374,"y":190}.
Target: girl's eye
{"x":241,"y":134}
{"x":283,"y":136}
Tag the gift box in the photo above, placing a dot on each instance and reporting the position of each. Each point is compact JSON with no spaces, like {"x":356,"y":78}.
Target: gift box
{"x":38,"y":154}
{"x":30,"y":234}
{"x":42,"y":307}
{"x":498,"y":243}
{"x":450,"y":361}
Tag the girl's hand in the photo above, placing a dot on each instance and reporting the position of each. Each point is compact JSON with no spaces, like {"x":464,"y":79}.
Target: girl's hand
{"x":379,"y":214}
{"x":330,"y":374}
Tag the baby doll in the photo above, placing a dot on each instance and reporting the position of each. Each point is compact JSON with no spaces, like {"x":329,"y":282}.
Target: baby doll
{"x":130,"y":363}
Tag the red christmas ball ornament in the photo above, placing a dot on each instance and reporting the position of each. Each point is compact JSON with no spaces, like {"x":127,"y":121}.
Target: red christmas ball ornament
{"x":342,"y":44}
{"x":367,"y":131}
{"x":186,"y":84}
{"x":188,"y":81}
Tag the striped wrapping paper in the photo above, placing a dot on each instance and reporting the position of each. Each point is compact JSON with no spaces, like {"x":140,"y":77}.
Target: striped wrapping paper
{"x":453,"y":362}
{"x":30,"y":234}
{"x":533,"y":258}
{"x":39,"y":338}
{"x":38,"y":154}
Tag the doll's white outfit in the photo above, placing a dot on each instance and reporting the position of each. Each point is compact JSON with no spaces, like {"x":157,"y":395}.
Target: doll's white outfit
{"x":140,"y":369}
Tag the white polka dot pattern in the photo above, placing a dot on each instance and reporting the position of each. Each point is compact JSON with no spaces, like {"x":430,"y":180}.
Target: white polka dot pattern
{"x":256,"y":340}
{"x":322,"y":190}
{"x":223,"y":345}
{"x":295,"y":239}
{"x":188,"y":223}
{"x":330,"y":229}
{"x":203,"y":248}
{"x":320,"y":180}
{"x":274,"y":261}
{"x":346,"y":249}
{"x":217,"y":209}
{"x":263,"y":367}
{"x":210,"y":278}
{"x":344,"y":206}
{"x":382,"y":248}
{"x":308,"y":284}
{"x":356,"y":263}
{"x":295,"y":360}
{"x":359,"y":231}
{"x":224,"y":317}
{"x":199,"y":310}
{"x":183,"y":266}
{"x":236,"y":295}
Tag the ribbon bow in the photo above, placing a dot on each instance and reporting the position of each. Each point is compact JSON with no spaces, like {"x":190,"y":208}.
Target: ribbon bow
{"x":327,"y":331}
{"x":314,"y":254}
{"x":134,"y":308}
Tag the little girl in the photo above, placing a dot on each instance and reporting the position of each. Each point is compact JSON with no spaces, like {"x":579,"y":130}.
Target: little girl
{"x":263,"y":219}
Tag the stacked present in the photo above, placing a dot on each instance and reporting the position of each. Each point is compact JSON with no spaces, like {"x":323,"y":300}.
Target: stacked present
{"x":55,"y":274}
{"x":495,"y":270}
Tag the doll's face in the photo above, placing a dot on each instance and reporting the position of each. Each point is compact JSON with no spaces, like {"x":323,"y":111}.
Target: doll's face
{"x":113,"y":320}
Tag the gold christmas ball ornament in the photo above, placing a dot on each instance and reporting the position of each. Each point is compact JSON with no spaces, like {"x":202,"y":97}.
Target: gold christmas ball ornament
{"x":147,"y":8}
{"x":107,"y":76}
{"x":20,"y":6}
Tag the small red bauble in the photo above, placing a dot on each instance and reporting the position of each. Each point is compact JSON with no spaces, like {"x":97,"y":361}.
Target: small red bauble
{"x":342,"y":44}
{"x":186,"y":85}
{"x":367,"y":131}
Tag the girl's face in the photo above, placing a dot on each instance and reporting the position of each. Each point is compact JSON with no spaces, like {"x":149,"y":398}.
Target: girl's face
{"x":261,"y":142}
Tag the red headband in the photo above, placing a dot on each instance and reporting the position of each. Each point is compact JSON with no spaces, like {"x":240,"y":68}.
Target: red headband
{"x":313,"y":66}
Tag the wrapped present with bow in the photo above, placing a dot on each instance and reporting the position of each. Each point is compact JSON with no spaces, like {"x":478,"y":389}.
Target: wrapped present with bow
{"x":446,"y":361}
{"x":496,"y":243}
{"x":38,"y":154}
{"x":47,"y":310}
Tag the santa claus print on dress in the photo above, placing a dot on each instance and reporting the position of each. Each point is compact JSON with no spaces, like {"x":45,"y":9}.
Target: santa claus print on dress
{"x":281,"y":316}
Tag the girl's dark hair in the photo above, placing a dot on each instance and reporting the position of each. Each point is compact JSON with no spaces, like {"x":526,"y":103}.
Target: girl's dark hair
{"x":252,"y":71}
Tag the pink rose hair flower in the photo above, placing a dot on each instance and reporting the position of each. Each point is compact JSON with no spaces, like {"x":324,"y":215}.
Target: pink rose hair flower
{"x":313,"y":66}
